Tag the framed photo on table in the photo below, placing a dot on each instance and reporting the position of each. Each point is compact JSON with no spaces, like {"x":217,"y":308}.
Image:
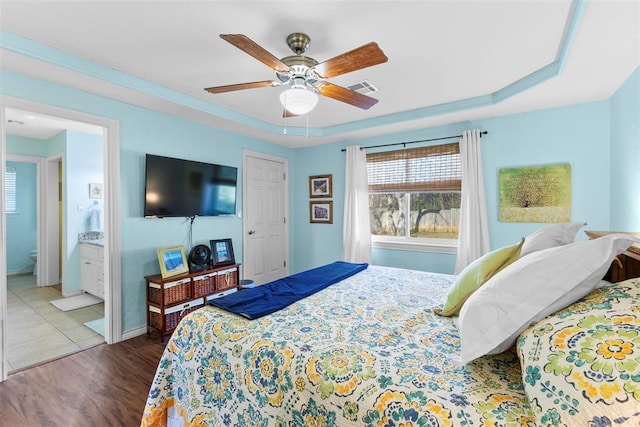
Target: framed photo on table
{"x":320,"y":186}
{"x":173,"y":261}
{"x":222,"y":252}
{"x":321,"y":212}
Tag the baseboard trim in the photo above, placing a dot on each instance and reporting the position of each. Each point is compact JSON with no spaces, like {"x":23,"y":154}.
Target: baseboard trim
{"x":68,"y":294}
{"x":26,"y":270}
{"x":132,"y":333}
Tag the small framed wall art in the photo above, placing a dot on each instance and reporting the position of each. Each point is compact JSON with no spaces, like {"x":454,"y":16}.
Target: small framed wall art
{"x":321,"y":212}
{"x":222,"y":252}
{"x":173,"y":261}
{"x":95,"y":191}
{"x":320,"y":186}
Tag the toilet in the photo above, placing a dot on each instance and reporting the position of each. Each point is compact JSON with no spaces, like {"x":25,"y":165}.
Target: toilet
{"x":33,"y":255}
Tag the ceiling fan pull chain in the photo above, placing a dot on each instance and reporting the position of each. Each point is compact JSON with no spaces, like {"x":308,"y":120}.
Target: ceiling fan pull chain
{"x":284,"y":116}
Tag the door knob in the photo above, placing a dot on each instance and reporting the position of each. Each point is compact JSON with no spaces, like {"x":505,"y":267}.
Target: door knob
{"x":252,"y":232}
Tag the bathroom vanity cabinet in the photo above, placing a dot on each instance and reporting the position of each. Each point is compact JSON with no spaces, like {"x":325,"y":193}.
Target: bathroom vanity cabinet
{"x":92,"y":269}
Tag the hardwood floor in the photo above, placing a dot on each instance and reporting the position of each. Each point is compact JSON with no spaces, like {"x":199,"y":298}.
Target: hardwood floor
{"x":106,"y":385}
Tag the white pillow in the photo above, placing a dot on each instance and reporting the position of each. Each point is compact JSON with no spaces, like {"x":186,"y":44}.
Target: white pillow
{"x":531,"y":289}
{"x":551,"y":236}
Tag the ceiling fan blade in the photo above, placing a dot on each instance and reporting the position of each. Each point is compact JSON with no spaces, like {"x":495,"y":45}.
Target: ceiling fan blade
{"x":345,"y":95}
{"x":356,"y":59}
{"x":240,"y":86}
{"x":244,"y":43}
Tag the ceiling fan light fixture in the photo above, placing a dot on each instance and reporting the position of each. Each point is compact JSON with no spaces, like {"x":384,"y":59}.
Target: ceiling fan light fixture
{"x":298,"y":101}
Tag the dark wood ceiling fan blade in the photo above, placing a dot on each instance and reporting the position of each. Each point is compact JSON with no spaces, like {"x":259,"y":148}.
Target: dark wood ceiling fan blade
{"x":356,"y":59}
{"x":345,"y":95}
{"x":240,"y":86}
{"x":244,"y":43}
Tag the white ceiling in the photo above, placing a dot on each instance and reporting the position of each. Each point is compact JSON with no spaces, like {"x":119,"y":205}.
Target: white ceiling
{"x":446,"y":58}
{"x":41,"y":126}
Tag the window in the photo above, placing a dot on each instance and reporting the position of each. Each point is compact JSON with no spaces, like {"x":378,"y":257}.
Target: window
{"x":10,"y":206}
{"x":414,"y":195}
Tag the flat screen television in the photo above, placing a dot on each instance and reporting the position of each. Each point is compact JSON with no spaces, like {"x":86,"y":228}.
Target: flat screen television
{"x":186,"y":188}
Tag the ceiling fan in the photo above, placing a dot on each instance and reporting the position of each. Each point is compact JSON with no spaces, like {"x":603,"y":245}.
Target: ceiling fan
{"x":304,"y":75}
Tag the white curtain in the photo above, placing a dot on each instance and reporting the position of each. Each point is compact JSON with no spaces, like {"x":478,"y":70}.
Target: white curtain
{"x":356,"y":234}
{"x":473,"y":235}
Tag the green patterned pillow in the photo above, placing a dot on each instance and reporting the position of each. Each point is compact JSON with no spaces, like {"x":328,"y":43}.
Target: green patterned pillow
{"x":475,"y":275}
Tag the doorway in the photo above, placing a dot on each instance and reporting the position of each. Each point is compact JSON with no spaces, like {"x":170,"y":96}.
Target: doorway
{"x":37,"y":329}
{"x":265,"y":225}
{"x":110,"y":149}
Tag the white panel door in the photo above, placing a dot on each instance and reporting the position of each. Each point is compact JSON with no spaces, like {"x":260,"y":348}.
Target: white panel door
{"x":265,"y":222}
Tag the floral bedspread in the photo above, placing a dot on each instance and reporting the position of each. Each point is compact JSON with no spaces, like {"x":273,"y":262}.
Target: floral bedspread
{"x":581,"y":366}
{"x":366,"y":351}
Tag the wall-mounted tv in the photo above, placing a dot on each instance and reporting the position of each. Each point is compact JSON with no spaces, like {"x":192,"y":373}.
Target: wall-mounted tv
{"x":186,"y":188}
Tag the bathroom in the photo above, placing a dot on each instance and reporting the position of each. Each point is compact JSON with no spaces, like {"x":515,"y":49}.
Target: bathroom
{"x":22,"y":223}
{"x":37,"y":330}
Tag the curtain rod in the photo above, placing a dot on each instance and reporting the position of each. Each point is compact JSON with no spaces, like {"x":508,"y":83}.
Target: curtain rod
{"x":484,"y":132}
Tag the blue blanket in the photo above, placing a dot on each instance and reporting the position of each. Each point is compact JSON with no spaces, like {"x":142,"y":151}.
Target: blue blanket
{"x":271,"y":297}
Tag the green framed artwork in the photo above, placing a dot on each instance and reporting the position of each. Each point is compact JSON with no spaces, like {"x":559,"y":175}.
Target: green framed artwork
{"x":535,"y":193}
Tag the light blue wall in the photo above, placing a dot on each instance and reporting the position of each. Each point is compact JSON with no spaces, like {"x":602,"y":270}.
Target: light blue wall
{"x":577,"y":134}
{"x":57,"y":145}
{"x":144,"y":131}
{"x":82,"y":164}
{"x":318,"y":244}
{"x":26,"y":146}
{"x":22,"y":226}
{"x":625,"y":156}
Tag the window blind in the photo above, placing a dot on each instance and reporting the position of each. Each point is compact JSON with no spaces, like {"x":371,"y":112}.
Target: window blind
{"x":10,"y":206}
{"x":434,"y":168}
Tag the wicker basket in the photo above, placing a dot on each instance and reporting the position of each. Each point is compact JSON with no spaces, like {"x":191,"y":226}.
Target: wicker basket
{"x":155,"y":320}
{"x":172,"y":316}
{"x":227,"y":279}
{"x":174,"y":292}
{"x":204,"y":285}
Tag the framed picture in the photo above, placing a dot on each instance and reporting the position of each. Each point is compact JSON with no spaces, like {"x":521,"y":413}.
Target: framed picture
{"x":535,"y":193}
{"x":95,"y":191}
{"x":320,"y":186}
{"x":173,"y":261}
{"x":222,"y":252}
{"x":321,"y":212}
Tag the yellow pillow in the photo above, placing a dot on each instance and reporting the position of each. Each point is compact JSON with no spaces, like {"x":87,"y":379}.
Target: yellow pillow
{"x":475,"y":275}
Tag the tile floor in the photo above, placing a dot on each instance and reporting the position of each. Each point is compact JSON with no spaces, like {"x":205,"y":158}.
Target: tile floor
{"x":37,"y":331}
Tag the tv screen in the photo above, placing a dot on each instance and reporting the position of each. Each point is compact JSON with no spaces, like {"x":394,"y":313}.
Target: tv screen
{"x":176,"y":187}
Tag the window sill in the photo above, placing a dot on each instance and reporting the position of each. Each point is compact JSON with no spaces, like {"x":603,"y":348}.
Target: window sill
{"x":436,"y":245}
